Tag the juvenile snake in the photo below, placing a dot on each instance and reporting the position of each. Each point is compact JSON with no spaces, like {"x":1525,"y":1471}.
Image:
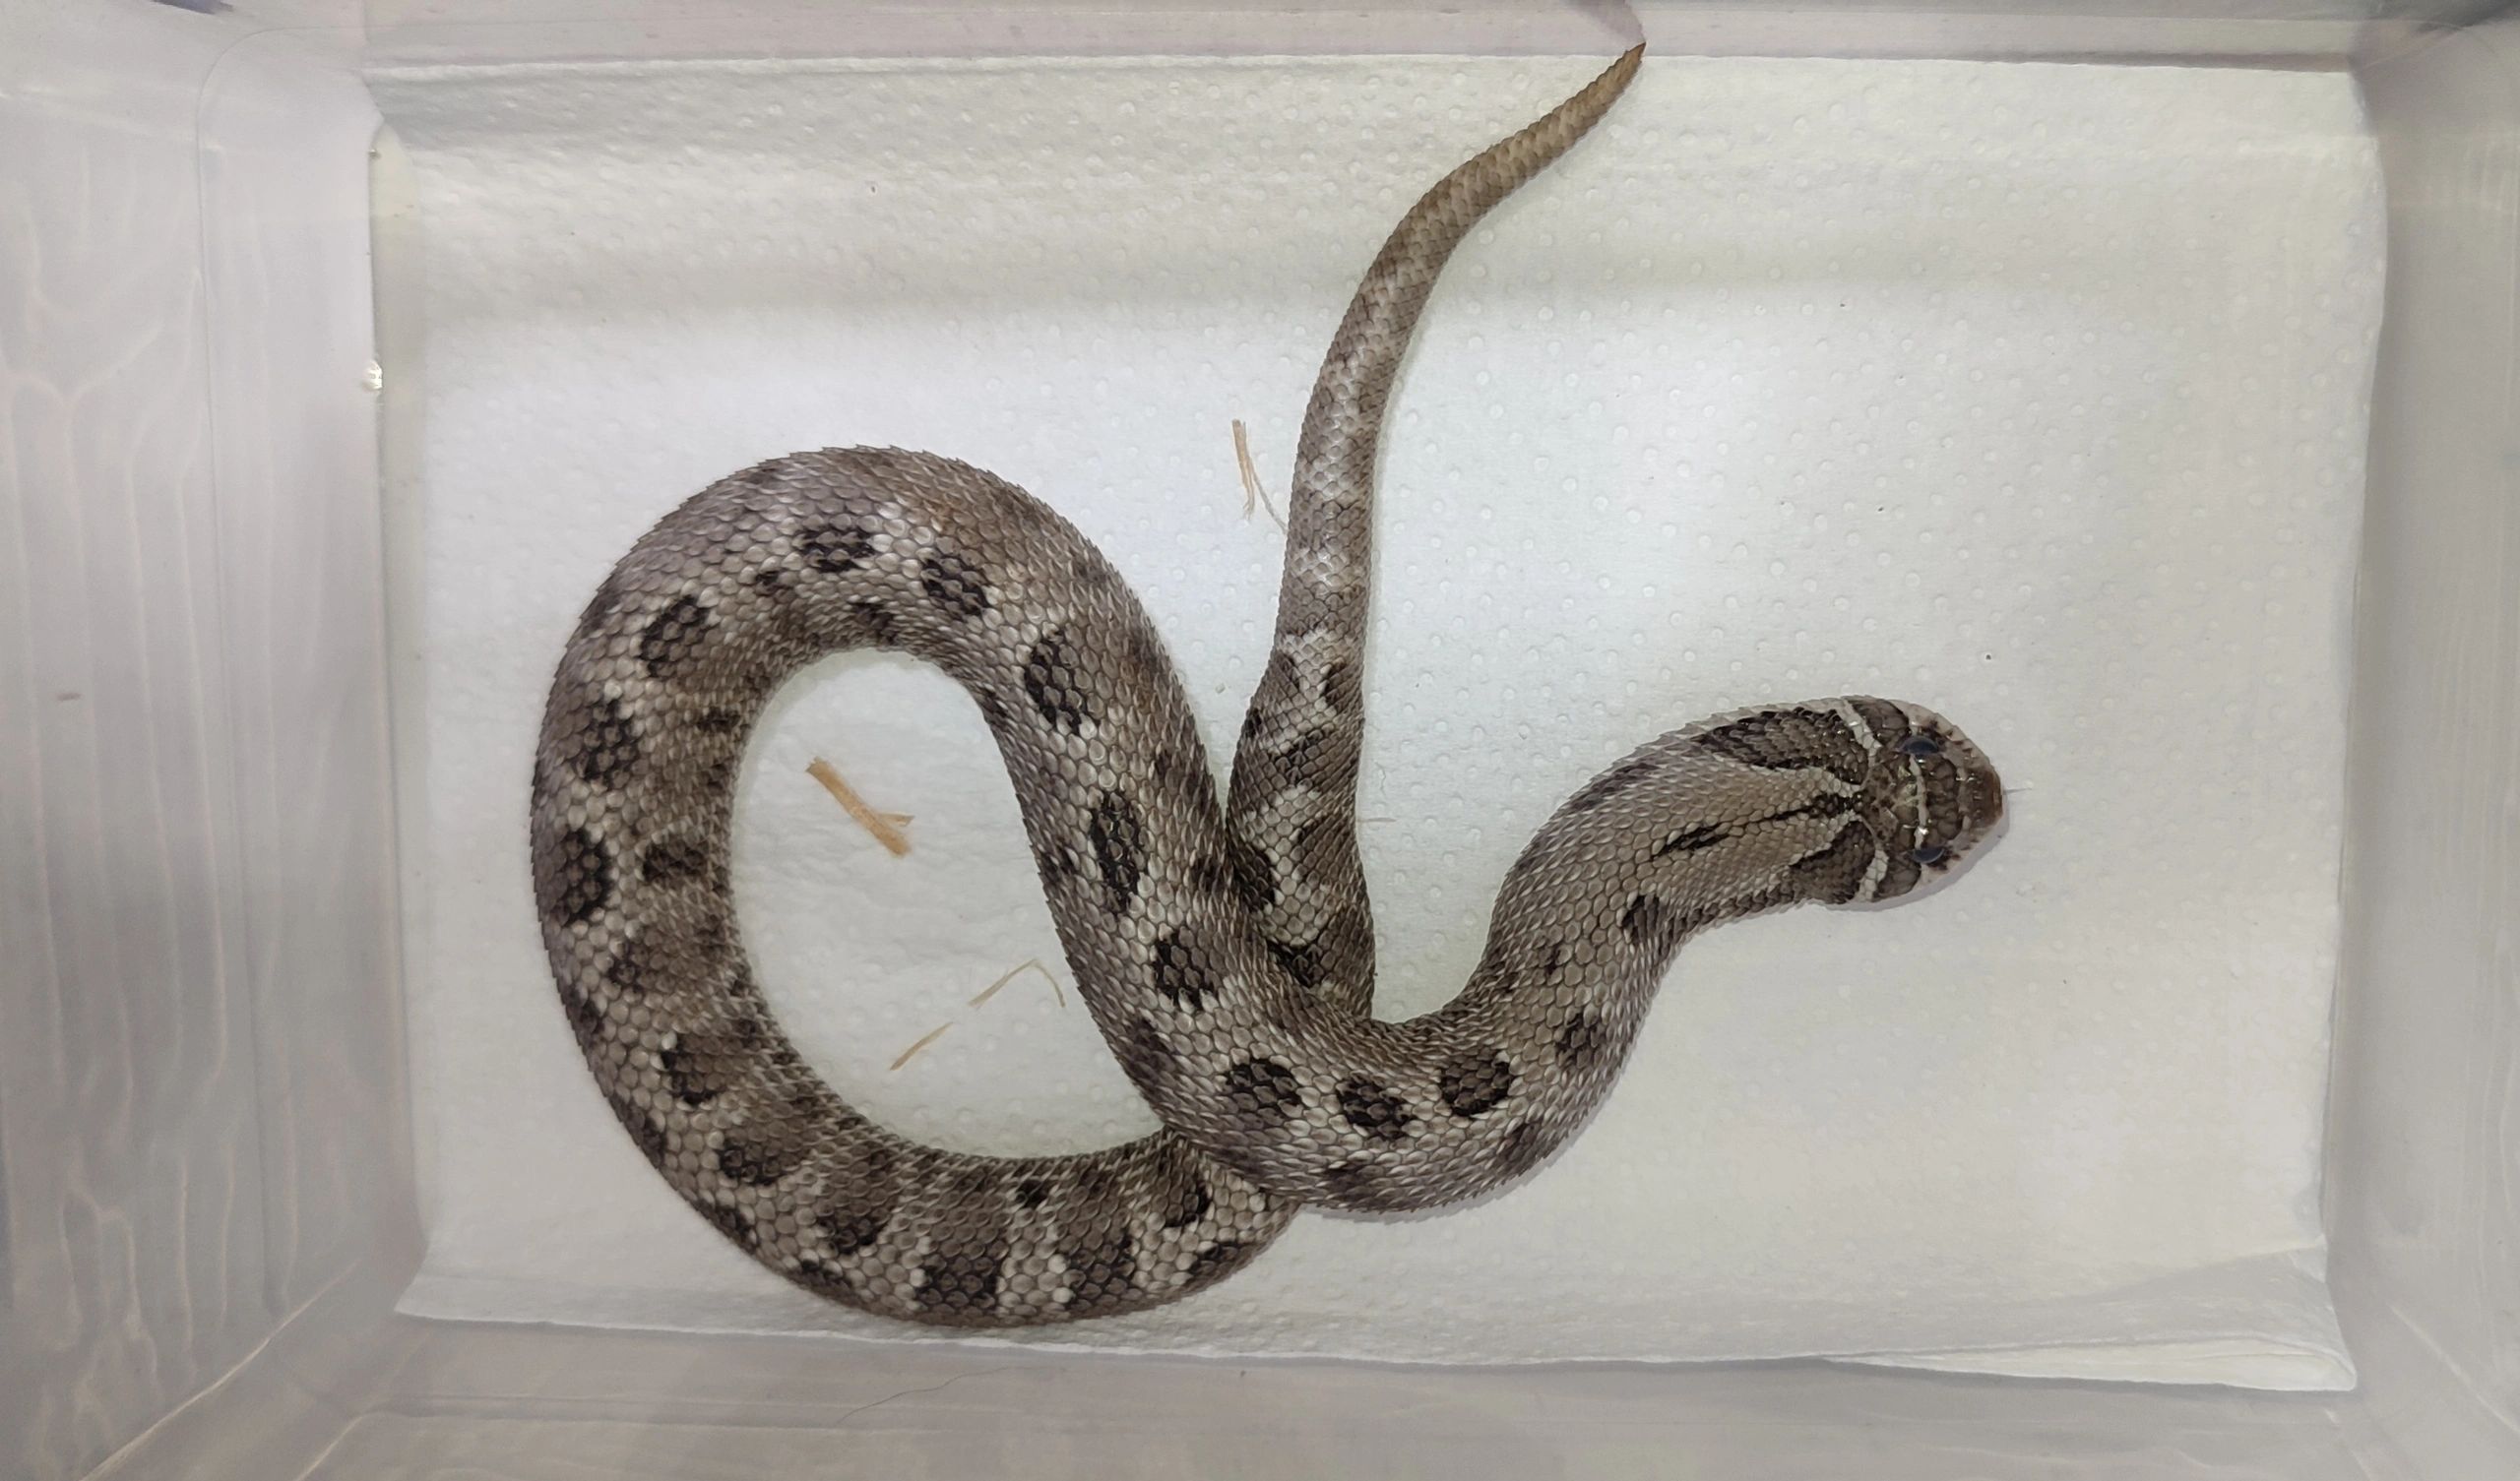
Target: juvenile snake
{"x":1226,"y":953}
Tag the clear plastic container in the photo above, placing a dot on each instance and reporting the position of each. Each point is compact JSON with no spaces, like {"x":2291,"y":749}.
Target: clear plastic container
{"x":207,"y":1201}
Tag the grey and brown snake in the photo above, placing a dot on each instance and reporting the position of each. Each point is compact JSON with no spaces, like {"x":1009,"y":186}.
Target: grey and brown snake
{"x":1226,"y":952}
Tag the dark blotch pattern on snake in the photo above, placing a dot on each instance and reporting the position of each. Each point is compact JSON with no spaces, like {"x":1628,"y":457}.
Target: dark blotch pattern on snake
{"x":1226,"y":953}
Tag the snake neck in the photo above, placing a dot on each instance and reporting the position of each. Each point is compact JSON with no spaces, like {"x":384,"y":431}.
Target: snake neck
{"x":1322,"y":1106}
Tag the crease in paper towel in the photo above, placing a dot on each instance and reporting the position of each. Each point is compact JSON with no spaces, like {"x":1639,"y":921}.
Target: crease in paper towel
{"x":2031,"y":392}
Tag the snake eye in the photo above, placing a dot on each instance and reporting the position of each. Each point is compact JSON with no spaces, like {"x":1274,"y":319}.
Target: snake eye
{"x":1921,"y":745}
{"x":1931,"y":853}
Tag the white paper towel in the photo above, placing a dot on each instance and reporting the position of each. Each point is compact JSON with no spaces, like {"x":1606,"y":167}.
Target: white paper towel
{"x":2036,"y":393}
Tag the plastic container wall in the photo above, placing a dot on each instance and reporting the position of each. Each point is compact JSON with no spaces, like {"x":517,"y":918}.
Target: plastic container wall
{"x":205,"y":1180}
{"x":201,"y":1103}
{"x":2423,"y":1140}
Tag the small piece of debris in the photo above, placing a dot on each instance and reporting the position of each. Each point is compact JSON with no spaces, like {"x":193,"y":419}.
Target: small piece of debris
{"x":926,"y":1039}
{"x":1015,"y":971}
{"x":1252,"y":493}
{"x":886,"y":827}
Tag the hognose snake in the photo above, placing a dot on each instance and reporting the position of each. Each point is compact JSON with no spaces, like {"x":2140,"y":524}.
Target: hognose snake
{"x":1226,"y":953}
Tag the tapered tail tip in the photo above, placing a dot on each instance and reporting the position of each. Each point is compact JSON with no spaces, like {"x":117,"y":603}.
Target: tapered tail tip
{"x":1614,"y":79}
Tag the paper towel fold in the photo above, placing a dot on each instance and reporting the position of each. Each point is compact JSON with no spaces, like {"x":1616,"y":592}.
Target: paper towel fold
{"x":2035,"y":393}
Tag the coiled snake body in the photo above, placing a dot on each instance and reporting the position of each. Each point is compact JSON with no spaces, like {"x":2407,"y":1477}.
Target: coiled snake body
{"x":1226,"y":953}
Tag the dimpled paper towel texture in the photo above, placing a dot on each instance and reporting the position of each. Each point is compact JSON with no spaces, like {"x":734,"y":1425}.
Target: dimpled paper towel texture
{"x":2033,"y":392}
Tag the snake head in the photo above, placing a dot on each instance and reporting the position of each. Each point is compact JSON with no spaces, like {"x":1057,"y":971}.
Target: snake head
{"x":1932,"y":798}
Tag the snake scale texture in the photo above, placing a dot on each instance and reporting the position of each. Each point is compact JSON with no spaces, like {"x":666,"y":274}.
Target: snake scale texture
{"x":1226,"y":953}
